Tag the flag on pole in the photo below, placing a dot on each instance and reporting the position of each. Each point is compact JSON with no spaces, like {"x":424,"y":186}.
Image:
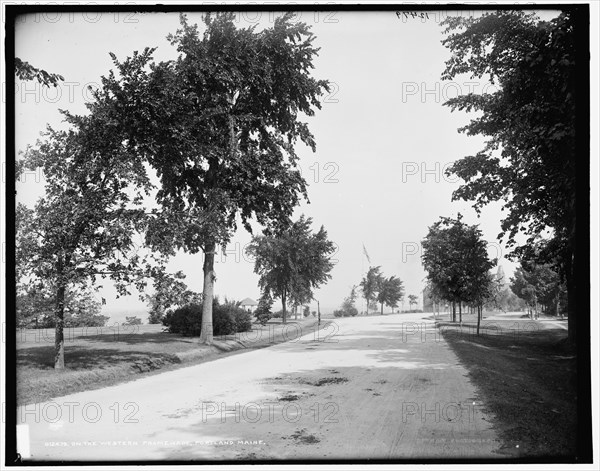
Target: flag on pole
{"x":366,"y":253}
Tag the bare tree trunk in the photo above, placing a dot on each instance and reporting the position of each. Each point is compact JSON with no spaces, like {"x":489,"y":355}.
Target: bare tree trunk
{"x":319,"y":312}
{"x":59,"y":340}
{"x":460,"y":312}
{"x":453,"y":311}
{"x":382,"y":309}
{"x":478,"y":318}
{"x":571,"y":299}
{"x":206,"y":334}
{"x":558,"y":304}
{"x":283,"y":299}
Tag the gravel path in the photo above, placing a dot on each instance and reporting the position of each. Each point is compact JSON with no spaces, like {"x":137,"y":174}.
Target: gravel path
{"x":367,"y":387}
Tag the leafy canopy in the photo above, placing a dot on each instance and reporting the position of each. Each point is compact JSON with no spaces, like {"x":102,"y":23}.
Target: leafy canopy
{"x":528,"y":161}
{"x":219,"y":124}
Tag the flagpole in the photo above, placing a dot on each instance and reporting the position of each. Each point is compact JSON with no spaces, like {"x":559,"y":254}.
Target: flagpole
{"x":362,"y":298}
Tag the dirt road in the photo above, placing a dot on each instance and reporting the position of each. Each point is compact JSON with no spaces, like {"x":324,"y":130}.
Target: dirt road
{"x":367,"y":387}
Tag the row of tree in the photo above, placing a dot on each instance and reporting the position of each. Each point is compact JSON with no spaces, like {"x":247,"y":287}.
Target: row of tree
{"x":531,"y":153}
{"x":457,"y":264}
{"x":376,"y":287}
{"x":540,"y":287}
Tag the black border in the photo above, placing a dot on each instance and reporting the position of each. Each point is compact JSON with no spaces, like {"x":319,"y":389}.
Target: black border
{"x":581,"y":14}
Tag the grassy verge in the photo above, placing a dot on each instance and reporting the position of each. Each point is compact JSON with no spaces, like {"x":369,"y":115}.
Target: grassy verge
{"x":97,"y":358}
{"x":527,"y":378}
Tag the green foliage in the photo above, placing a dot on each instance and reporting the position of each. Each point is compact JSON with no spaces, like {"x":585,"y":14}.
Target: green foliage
{"x":292,"y":263}
{"x":306,"y":311}
{"x":455,"y":258}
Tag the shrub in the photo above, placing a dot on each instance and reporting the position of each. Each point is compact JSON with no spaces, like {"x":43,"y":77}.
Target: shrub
{"x":187,"y":320}
{"x":347,"y":311}
{"x":223,"y":321}
{"x":227,"y":319}
{"x":306,"y":311}
{"x":263,"y":311}
{"x":278,"y":314}
{"x":243,"y":320}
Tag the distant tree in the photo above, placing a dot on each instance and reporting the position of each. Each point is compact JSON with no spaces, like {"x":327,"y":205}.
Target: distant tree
{"x":132,"y":321}
{"x":219,"y":125}
{"x":390,"y":292}
{"x":435,"y":295}
{"x":36,"y":308}
{"x":293,"y":261}
{"x":530,"y":156}
{"x":370,"y":285}
{"x":350,"y":301}
{"x":412,"y":299}
{"x":348,"y":308}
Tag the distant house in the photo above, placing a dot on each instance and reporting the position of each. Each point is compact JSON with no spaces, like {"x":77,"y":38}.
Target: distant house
{"x":249,"y":304}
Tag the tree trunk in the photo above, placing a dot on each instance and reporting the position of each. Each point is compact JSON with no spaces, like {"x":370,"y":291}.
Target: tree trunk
{"x":557,"y":304}
{"x":460,"y":312}
{"x":571,"y":299}
{"x":382,"y":309}
{"x":283,"y":298}
{"x":59,"y":339}
{"x":319,"y":312}
{"x":478,"y":318}
{"x":453,"y":311}
{"x":206,"y":334}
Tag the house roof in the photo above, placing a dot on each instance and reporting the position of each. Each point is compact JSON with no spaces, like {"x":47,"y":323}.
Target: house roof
{"x":249,"y":302}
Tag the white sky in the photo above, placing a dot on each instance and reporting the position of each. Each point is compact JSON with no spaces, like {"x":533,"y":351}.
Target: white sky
{"x":383,"y":136}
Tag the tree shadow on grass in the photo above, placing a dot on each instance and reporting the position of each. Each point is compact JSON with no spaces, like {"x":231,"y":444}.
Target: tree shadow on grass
{"x":137,"y":338}
{"x":85,"y":358}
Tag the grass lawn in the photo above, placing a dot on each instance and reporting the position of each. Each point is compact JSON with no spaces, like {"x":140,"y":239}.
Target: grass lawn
{"x":100,"y":357}
{"x":527,"y":378}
